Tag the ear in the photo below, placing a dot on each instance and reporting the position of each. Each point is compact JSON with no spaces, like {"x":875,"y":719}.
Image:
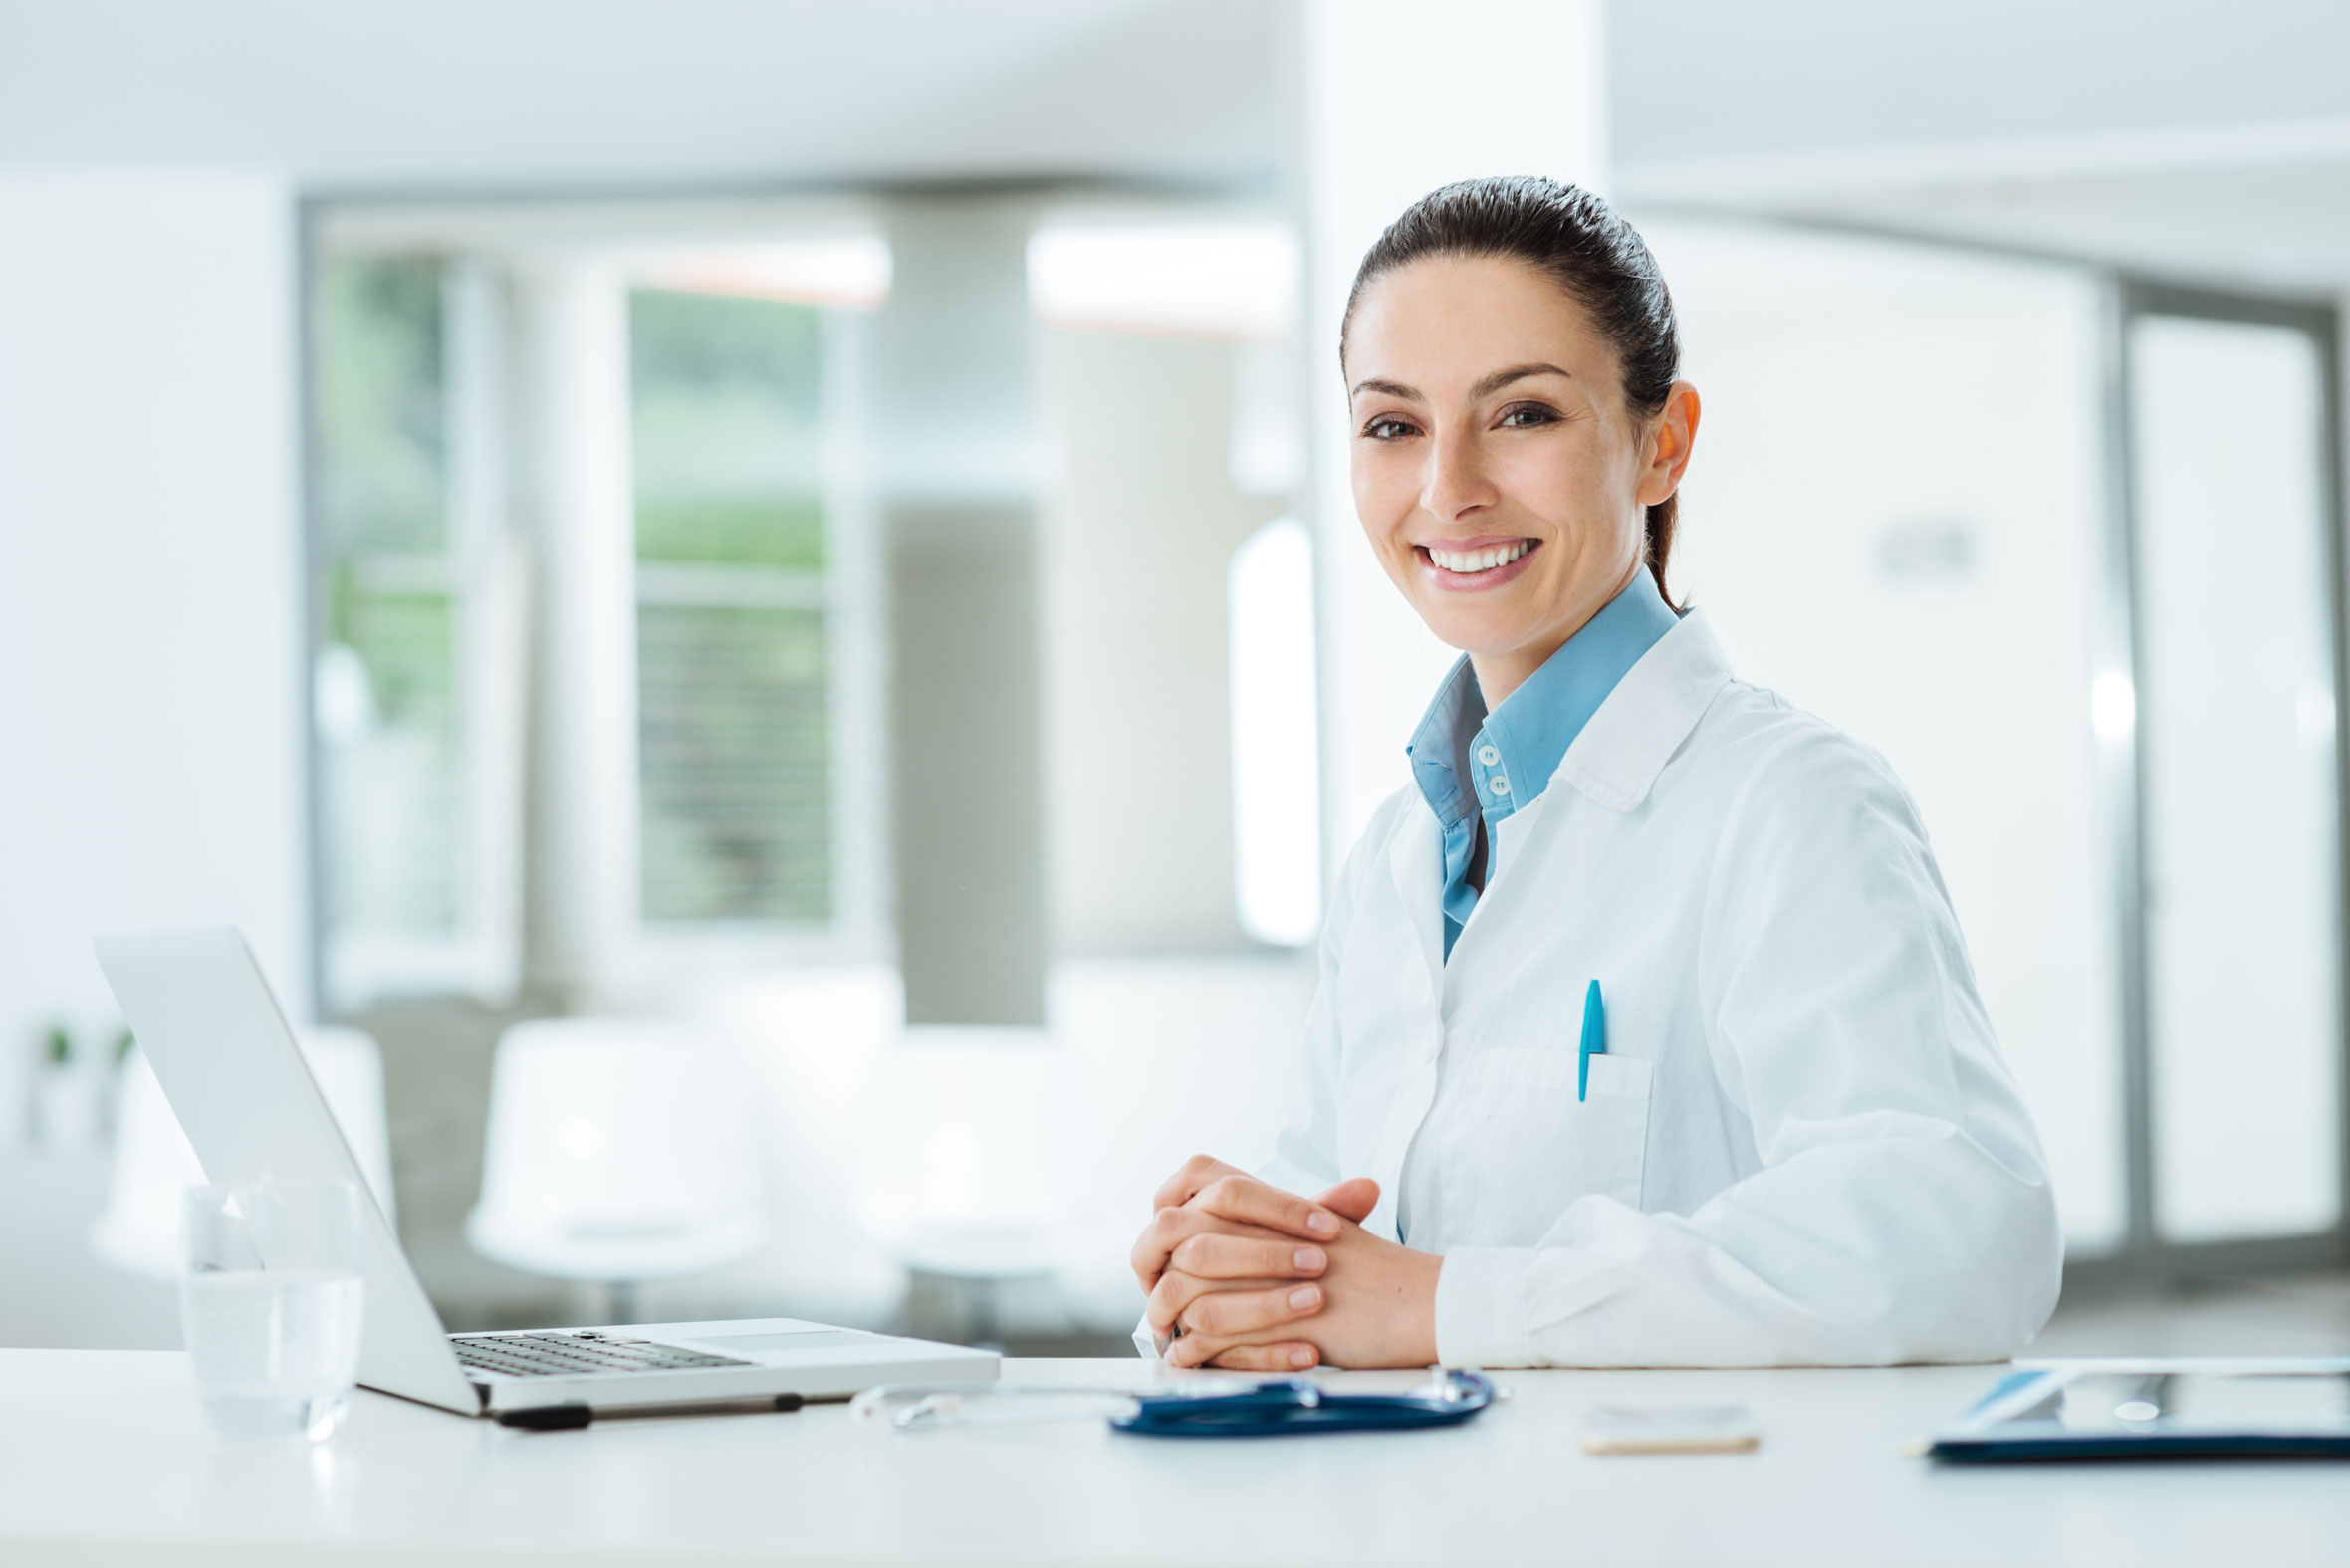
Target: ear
{"x":1354,"y":1197}
{"x":1671,"y":440}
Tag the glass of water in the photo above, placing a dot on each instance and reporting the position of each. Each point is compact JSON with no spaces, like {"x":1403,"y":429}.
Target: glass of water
{"x":270,"y":1304}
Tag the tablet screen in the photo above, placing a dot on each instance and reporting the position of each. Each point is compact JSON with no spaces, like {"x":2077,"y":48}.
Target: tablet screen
{"x":2191,"y":1402}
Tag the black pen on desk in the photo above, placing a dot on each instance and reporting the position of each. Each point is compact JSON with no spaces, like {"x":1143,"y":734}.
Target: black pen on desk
{"x":569,"y":1418}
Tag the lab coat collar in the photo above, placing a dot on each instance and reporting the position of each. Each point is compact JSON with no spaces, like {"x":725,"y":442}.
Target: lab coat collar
{"x":1617,"y":756}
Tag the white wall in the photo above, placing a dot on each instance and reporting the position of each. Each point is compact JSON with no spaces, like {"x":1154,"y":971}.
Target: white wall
{"x":1394,"y":108}
{"x":150,"y":598}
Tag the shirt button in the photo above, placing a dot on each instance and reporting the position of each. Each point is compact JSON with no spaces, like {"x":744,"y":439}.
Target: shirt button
{"x":1487,"y":755}
{"x":1498,"y":785}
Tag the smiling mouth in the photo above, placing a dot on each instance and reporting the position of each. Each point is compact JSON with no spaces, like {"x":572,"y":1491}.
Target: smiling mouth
{"x":1468,"y":563}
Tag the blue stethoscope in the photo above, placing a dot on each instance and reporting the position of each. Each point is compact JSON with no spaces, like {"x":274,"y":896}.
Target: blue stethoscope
{"x":1300,"y":1405}
{"x":1206,"y":1407}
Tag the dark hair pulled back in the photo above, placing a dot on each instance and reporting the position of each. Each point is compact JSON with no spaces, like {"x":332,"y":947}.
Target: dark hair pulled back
{"x":1576,"y":240}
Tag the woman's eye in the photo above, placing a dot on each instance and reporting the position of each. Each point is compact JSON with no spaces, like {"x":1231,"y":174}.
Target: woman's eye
{"x":1525,"y":416}
{"x":1386,"y":429}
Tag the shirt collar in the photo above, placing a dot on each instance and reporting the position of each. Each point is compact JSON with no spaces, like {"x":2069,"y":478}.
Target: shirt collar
{"x":1439,"y":748}
{"x":1529,"y":734}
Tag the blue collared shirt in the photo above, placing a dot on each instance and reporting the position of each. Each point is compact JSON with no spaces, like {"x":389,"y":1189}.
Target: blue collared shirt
{"x":1507,"y":758}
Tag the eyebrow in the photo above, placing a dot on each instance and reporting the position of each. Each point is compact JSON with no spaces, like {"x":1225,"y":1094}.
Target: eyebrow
{"x":1517,"y":372}
{"x":1484,"y":389}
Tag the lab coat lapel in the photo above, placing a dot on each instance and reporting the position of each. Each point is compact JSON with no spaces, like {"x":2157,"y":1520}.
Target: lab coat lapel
{"x":1625,"y":746}
{"x":1415,"y":862}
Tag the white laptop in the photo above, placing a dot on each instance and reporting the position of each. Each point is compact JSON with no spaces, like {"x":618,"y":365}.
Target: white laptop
{"x":207,"y":1022}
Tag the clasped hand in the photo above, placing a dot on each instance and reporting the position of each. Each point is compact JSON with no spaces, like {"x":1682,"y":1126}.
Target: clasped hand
{"x":1255,"y":1278}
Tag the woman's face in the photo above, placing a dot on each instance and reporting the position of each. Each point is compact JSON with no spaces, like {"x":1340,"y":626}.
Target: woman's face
{"x":1499,"y":477}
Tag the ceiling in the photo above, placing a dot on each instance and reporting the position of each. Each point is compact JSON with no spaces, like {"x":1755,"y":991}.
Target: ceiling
{"x":2206,"y":140}
{"x":437,"y":93}
{"x":2199,"y":139}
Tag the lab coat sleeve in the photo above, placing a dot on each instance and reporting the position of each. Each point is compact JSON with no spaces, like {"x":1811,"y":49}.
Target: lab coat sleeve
{"x":1306,"y":1153}
{"x":1902,"y":1210}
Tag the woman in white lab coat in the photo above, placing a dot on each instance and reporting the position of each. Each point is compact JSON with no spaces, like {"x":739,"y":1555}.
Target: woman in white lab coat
{"x":1646,"y":1034}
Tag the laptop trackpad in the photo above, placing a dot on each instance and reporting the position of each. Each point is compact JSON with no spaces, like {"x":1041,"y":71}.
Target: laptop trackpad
{"x":813,"y":1339}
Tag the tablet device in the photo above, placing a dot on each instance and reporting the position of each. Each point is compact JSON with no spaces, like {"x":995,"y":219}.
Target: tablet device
{"x":2158,"y":1408}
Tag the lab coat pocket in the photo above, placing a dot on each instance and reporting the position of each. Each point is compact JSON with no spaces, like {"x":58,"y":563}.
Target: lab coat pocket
{"x":1614,"y":1125}
{"x":1527,"y":1147}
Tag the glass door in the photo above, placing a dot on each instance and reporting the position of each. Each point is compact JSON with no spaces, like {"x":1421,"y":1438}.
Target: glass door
{"x":2228,"y":412}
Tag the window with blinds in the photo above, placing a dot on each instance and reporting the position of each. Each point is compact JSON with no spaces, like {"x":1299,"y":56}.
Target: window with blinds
{"x":734,"y":722}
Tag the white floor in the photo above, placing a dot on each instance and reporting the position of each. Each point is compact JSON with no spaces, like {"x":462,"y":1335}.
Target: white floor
{"x":2283,"y":1315}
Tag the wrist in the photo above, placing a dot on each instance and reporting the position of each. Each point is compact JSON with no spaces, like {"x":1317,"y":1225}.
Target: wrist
{"x":1428,"y":1268}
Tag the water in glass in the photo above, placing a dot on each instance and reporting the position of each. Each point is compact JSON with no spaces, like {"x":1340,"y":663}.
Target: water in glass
{"x":271,"y":1305}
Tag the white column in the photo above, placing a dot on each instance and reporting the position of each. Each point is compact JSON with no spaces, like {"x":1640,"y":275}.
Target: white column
{"x":493,"y":564}
{"x":951,"y":426}
{"x":1402,"y":96}
{"x":572,"y":495}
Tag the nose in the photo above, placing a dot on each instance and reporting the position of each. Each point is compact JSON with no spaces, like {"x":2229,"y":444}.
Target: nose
{"x":1455,"y":483}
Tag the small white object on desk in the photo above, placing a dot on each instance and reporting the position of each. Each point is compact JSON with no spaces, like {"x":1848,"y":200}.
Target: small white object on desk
{"x":1668,"y":1429}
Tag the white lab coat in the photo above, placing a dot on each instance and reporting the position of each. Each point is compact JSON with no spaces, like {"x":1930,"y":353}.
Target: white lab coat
{"x":1801,"y":1146}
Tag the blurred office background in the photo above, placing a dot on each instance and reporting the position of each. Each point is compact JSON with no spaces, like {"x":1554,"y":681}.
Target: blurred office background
{"x":753,"y":605}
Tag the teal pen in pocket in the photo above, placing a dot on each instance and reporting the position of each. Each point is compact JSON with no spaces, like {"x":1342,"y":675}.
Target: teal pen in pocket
{"x":1595,"y":1040}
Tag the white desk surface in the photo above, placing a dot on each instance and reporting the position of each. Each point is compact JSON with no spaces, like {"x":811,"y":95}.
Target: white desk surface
{"x":103,"y":1458}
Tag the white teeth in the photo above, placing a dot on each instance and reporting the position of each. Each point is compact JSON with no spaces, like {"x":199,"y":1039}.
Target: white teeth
{"x":1479,"y":560}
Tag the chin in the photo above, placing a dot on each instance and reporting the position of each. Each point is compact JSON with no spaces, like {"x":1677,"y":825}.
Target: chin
{"x":1471,"y":634}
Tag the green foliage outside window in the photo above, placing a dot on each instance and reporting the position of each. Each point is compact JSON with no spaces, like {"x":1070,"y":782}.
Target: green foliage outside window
{"x":733,"y":720}
{"x":392,"y":802}
{"x":379,"y":403}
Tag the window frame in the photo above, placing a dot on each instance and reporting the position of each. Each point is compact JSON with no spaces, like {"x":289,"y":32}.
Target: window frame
{"x":508,"y":582}
{"x":479,"y":569}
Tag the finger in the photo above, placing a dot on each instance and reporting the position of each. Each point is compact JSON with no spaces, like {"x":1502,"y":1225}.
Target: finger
{"x":1245,"y":1199}
{"x":1354,"y":1197}
{"x":1178,"y":1289}
{"x":1212,"y":1255}
{"x":1171,"y":1227}
{"x":1185,"y":1184}
{"x":1174,"y":1292}
{"x":1228,"y":1314}
{"x":1288,"y":1355}
{"x":1193,"y":1350}
{"x":1201,"y":1350}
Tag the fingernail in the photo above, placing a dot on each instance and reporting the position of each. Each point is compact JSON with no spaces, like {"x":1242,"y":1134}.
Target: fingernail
{"x":1301,"y":1358}
{"x":1307,"y":1259}
{"x":1322,"y":1223}
{"x":1303,"y":1296}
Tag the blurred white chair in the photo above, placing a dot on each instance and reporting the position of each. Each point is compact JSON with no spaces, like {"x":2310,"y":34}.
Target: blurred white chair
{"x":617,"y":1152}
{"x":153,"y":1164}
{"x":967,"y":1172}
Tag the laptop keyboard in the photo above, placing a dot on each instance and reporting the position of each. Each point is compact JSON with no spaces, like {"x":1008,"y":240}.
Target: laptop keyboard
{"x":575,"y":1355}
